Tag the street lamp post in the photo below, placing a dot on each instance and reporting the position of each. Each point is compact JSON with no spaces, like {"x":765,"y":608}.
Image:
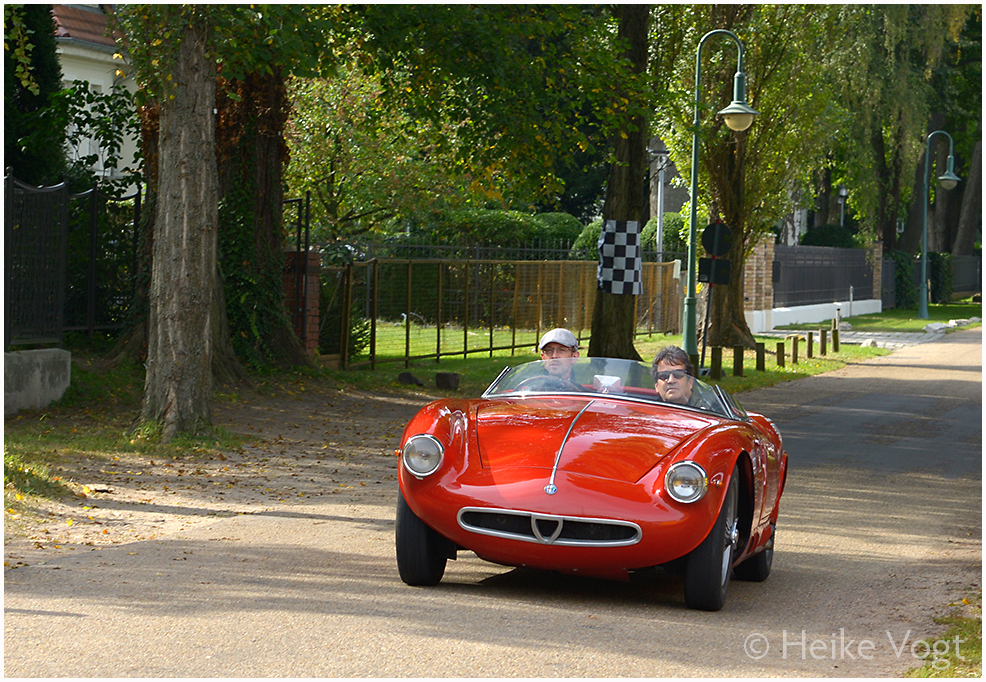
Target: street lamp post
{"x":843,"y":195}
{"x":738,"y":116}
{"x":948,"y":181}
{"x":663,"y":160}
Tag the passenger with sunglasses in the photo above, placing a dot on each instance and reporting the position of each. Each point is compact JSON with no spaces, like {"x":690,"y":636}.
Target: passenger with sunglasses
{"x":674,"y":378}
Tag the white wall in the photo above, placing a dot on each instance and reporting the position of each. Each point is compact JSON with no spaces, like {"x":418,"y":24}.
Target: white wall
{"x":96,"y":65}
{"x":761,"y":321}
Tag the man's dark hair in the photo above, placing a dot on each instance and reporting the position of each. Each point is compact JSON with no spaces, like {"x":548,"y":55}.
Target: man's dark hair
{"x":672,"y":355}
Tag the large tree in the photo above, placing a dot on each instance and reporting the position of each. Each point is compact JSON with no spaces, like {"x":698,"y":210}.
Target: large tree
{"x":614,"y":315}
{"x":175,"y":50}
{"x":178,"y":383}
{"x":751,"y":179}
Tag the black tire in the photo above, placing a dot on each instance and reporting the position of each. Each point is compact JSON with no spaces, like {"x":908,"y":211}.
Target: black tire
{"x":757,"y":567}
{"x":710,"y":564}
{"x":421,"y":552}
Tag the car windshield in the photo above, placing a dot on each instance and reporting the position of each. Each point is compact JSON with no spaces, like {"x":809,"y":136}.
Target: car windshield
{"x":620,"y":379}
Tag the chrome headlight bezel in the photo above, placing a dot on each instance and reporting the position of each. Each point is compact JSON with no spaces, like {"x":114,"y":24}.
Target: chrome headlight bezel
{"x":422,"y":455}
{"x":686,"y":482}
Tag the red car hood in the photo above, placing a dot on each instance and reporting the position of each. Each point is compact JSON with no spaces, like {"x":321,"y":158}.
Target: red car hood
{"x":610,"y":439}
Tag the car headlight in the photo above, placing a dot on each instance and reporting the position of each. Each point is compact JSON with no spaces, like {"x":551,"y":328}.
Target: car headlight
{"x":686,"y":482}
{"x":422,"y":455}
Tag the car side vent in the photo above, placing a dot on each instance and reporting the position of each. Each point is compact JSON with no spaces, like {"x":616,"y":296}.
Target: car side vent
{"x":549,"y":529}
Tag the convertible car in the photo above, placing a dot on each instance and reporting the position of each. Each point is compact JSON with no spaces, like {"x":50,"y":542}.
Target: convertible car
{"x":592,"y":474}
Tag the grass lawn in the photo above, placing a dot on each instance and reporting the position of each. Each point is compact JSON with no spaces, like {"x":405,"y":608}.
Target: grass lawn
{"x":905,"y":320}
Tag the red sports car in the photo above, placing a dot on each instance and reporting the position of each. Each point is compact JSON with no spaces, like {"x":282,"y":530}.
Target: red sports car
{"x":591,"y":473}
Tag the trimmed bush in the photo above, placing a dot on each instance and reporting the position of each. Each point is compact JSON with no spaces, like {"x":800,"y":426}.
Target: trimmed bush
{"x":905,"y":293}
{"x":829,"y":235}
{"x":586,"y":247}
{"x":560,"y":227}
{"x":940,"y":274}
{"x":675,"y":234}
{"x":501,"y":228}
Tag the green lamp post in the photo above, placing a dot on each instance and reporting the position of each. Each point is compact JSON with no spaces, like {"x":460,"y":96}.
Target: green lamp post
{"x":948,"y":181}
{"x":737,"y":116}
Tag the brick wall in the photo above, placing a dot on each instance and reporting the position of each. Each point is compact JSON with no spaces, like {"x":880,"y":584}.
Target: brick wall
{"x":758,"y":282}
{"x":299,"y":291}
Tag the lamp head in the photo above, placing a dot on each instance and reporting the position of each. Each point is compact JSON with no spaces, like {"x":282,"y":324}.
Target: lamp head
{"x":949,"y":180}
{"x":738,"y":115}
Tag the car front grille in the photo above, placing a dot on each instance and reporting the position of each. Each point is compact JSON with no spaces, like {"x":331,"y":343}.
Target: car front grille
{"x":549,"y":529}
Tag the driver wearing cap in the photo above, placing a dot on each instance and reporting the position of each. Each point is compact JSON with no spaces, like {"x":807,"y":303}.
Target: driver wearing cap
{"x":559,"y":348}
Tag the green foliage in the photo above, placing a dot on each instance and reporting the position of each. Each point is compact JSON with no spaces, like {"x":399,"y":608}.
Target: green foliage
{"x":940,"y":274}
{"x":33,"y":130}
{"x":905,"y":292}
{"x":114,"y":260}
{"x":501,"y":228}
{"x":98,"y":126}
{"x":586,"y":247}
{"x":369,"y":167}
{"x":252,"y":281}
{"x":838,"y":236}
{"x":675,"y":234}
{"x":560,"y":227}
{"x":244,"y":39}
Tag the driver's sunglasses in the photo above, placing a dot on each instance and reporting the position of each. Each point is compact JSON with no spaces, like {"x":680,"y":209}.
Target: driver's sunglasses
{"x":676,"y":373}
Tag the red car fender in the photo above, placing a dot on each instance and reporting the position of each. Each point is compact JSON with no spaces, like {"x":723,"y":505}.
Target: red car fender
{"x":718,"y":449}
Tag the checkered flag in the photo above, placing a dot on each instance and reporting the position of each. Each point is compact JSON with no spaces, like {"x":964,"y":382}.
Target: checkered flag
{"x":619,"y":258}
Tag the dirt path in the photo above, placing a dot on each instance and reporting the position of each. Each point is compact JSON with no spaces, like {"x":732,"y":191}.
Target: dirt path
{"x":306,"y":444}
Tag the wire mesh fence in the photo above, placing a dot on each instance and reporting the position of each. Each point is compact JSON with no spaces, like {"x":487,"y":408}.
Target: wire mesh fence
{"x":398,"y":310}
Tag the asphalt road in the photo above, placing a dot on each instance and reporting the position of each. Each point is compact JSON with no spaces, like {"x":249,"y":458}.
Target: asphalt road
{"x":880,"y":530}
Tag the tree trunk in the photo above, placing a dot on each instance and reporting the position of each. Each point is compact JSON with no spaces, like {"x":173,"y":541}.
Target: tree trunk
{"x":614,"y":315}
{"x":178,"y":384}
{"x":727,"y":319}
{"x":970,"y":215}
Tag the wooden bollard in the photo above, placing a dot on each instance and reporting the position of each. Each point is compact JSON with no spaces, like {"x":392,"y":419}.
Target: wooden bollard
{"x":794,"y":348}
{"x":822,"y":341}
{"x":835,"y":340}
{"x":780,"y":353}
{"x":761,"y":357}
{"x":738,"y":361}
{"x":716,"y":370}
{"x":694,"y":359}
{"x":811,"y":345}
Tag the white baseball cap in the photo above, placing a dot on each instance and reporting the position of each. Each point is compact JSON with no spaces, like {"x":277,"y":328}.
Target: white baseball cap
{"x":559,"y":335}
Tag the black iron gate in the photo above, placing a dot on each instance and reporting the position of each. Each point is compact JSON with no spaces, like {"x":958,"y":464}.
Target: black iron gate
{"x":70,"y":261}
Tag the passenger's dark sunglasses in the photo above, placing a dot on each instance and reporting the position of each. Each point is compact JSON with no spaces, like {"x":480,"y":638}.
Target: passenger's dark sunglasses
{"x":676,"y":373}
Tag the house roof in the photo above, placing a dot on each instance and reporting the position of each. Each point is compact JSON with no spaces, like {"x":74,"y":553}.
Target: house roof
{"x":83,"y":23}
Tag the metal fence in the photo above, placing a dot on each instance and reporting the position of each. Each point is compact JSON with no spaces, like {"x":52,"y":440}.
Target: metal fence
{"x":410,"y":309}
{"x":807,"y":275}
{"x":35,"y":230}
{"x":69,"y":259}
{"x":967,"y":274}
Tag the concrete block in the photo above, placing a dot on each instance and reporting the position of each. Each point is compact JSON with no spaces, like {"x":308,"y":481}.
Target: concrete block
{"x":34,"y":379}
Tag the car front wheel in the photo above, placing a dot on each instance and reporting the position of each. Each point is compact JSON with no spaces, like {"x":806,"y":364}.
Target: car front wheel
{"x":757,"y":567}
{"x":421,"y":552}
{"x":710,"y":564}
